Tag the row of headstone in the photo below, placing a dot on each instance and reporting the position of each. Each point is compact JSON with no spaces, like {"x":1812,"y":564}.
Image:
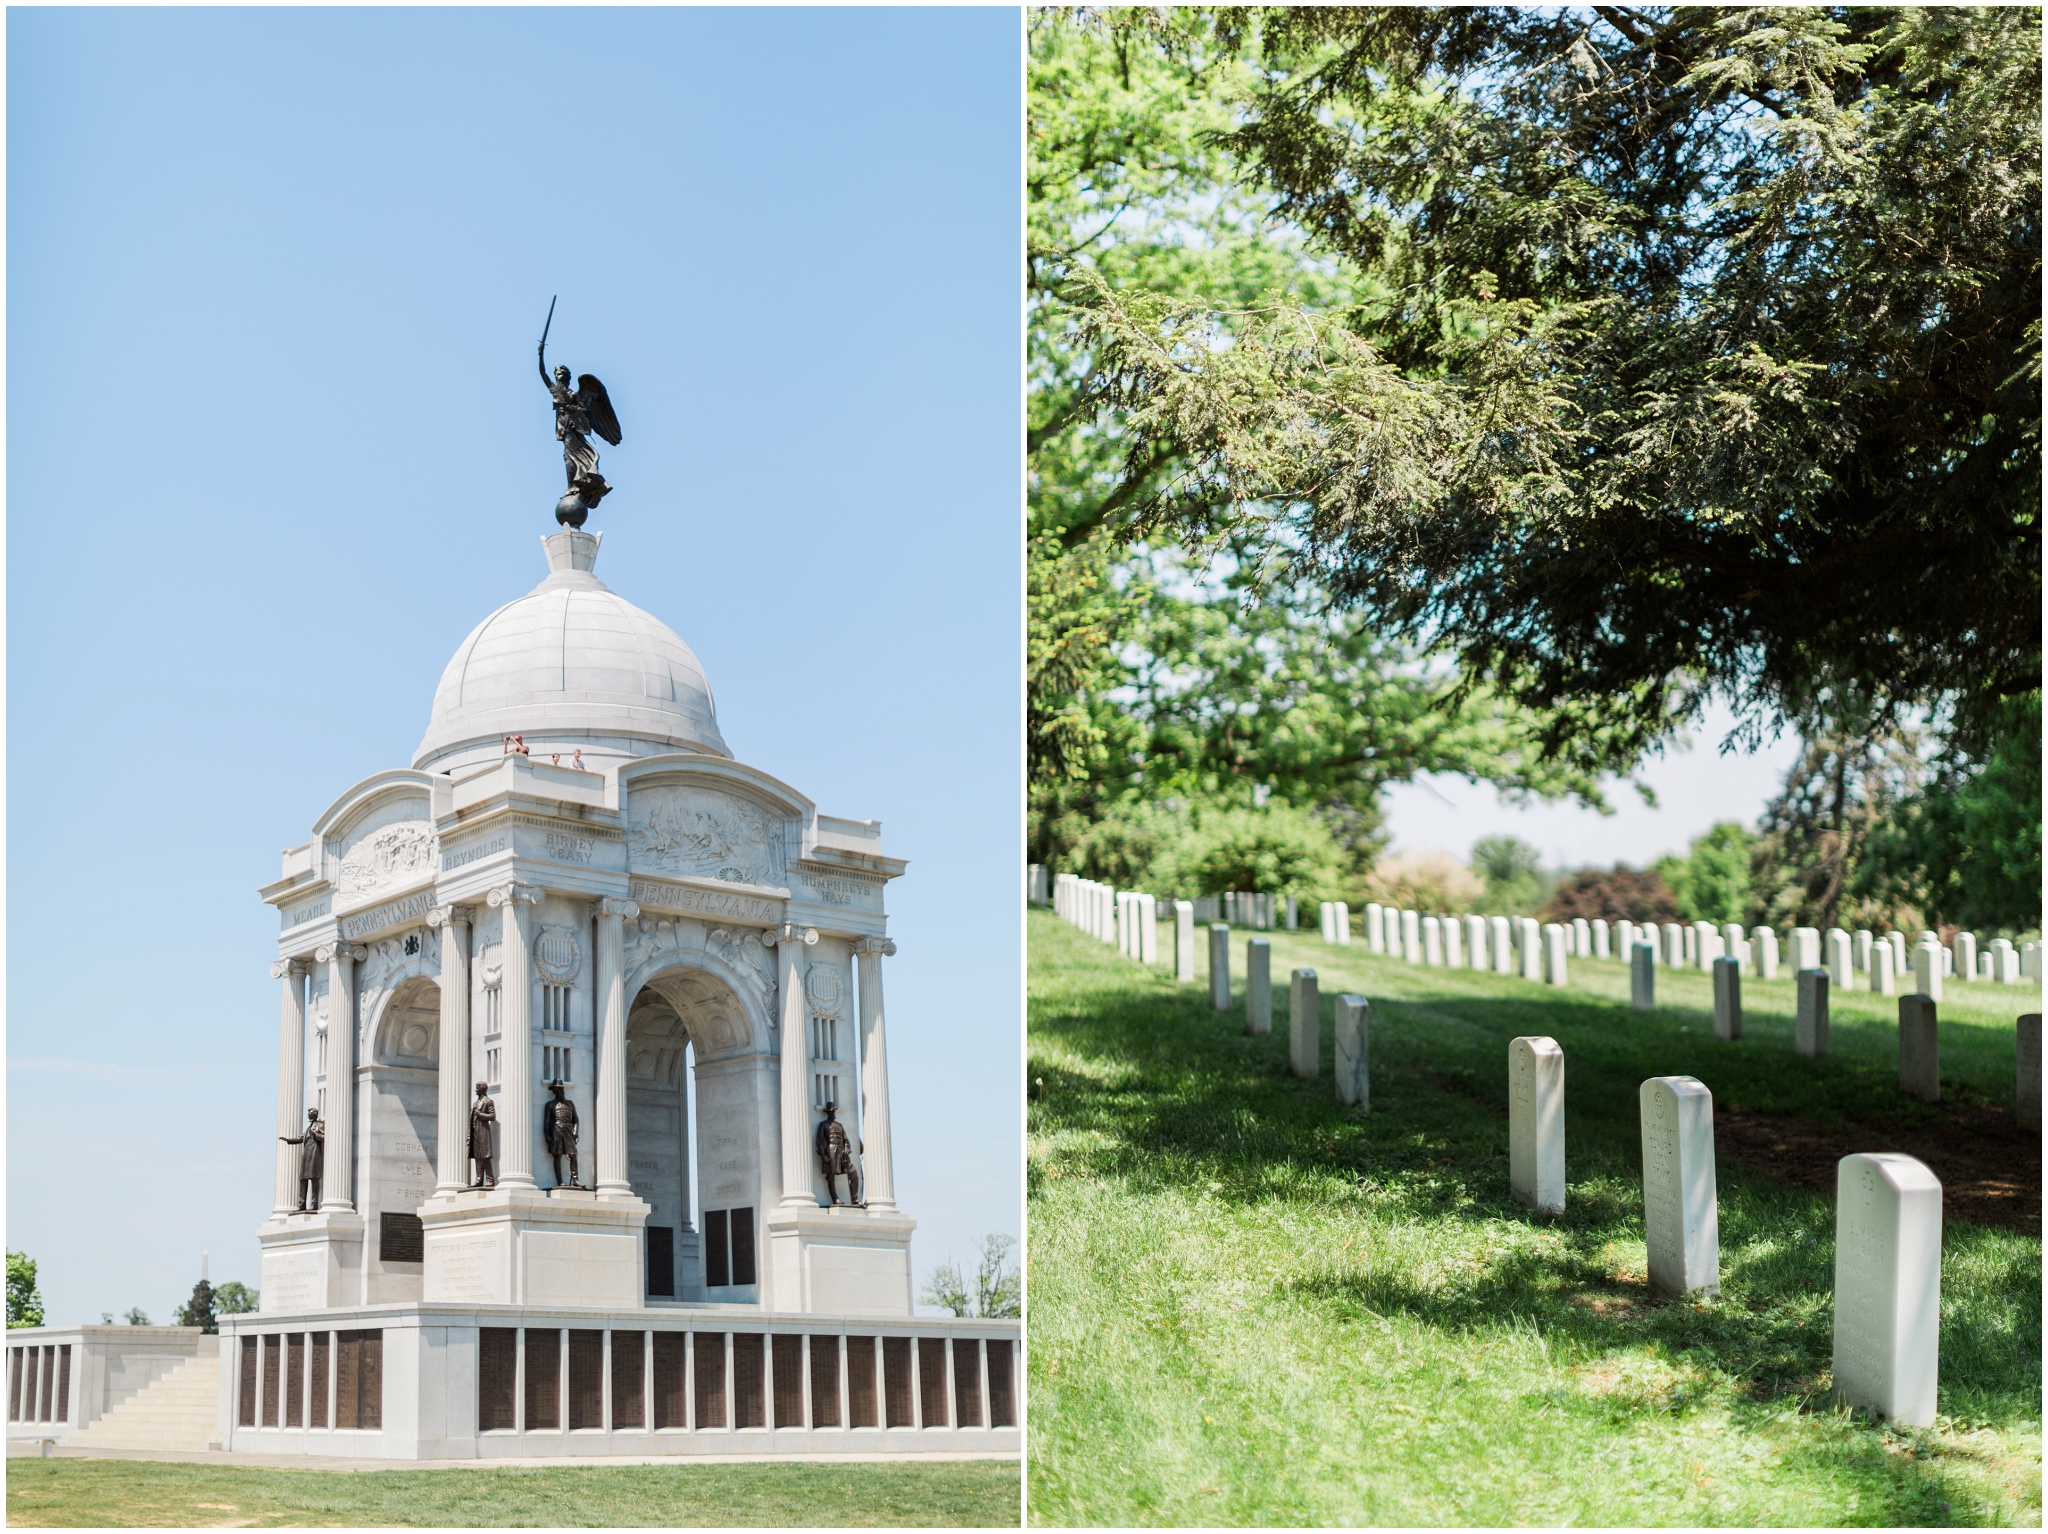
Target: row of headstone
{"x":1336,"y":922}
{"x":1259,"y":912}
{"x":1887,"y":1224}
{"x":1087,"y":904}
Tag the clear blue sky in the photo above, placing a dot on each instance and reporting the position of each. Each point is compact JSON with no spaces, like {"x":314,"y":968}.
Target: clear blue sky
{"x":276,"y":443}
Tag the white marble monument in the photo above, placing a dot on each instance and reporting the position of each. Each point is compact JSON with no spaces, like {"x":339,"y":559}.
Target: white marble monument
{"x":1304,"y":1024}
{"x":613,"y":902}
{"x":1354,"y":1050}
{"x":1681,"y":1210}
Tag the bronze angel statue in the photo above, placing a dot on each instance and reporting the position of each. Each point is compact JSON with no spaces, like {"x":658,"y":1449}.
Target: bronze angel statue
{"x":579,"y":412}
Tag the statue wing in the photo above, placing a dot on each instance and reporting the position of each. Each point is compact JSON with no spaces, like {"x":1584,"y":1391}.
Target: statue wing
{"x":597,"y":405}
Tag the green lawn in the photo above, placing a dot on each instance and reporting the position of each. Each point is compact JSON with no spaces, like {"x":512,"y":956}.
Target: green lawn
{"x":89,"y":1493}
{"x":1251,"y":1305}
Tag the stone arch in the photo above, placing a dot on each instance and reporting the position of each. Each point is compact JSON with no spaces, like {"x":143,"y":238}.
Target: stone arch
{"x":737,"y":1026}
{"x":407,"y":1030}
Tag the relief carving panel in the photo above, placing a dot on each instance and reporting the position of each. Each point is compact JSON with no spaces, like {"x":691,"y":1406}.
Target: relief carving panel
{"x":706,"y":834}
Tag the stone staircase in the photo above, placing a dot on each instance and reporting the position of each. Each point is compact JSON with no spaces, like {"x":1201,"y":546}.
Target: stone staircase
{"x":179,"y":1410}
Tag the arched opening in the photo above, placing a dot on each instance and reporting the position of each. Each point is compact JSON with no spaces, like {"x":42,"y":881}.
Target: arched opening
{"x":700,"y":1100}
{"x":401,"y":1108}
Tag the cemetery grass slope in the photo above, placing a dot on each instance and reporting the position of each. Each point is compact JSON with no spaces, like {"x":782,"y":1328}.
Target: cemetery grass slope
{"x":1249,"y":1304}
{"x":139,"y":1494}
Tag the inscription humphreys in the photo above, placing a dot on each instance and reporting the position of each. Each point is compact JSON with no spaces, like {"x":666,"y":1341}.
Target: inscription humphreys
{"x":396,"y":914}
{"x":679,"y":897}
{"x":841,"y":891}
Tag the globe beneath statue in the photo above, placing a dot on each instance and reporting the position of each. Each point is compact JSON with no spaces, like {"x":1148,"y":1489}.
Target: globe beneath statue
{"x":570,"y":510}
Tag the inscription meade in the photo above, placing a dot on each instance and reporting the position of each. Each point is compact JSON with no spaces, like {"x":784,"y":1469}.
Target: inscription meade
{"x":396,"y":914}
{"x":676,"y":897}
{"x":293,"y":915}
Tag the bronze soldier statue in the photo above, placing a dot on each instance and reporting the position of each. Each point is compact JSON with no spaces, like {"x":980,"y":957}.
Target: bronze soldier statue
{"x":312,"y":1156}
{"x":483,"y":1137}
{"x":558,"y":1129}
{"x":837,"y":1151}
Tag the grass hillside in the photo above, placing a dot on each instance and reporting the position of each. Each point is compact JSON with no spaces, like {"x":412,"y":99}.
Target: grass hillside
{"x":1250,"y":1304}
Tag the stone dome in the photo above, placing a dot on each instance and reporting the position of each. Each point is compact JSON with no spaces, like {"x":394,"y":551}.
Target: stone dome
{"x":573,"y":663}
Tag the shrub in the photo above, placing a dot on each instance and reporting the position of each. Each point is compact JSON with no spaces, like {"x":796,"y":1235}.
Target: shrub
{"x":1620,"y":893}
{"x":1424,"y":881}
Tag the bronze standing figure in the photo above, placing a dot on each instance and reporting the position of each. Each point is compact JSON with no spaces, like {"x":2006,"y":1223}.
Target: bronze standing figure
{"x":579,"y":412}
{"x":837,"y":1151}
{"x":483,"y":1137}
{"x":312,"y":1158}
{"x":559,"y":1129}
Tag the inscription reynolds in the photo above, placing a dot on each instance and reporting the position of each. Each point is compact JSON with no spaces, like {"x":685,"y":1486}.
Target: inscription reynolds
{"x":471,"y":854}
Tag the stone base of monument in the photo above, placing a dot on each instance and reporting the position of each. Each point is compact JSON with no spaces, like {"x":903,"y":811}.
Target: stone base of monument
{"x":311,"y":1261}
{"x":417,"y":1382}
{"x":533,"y":1246}
{"x":840,"y":1259}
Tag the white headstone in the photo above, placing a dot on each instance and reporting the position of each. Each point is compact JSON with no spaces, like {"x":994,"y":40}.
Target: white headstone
{"x":1983,"y":966}
{"x":1354,"y":1050}
{"x":1293,"y":913}
{"x":1860,"y":942}
{"x":1530,"y":941}
{"x":1536,"y":1122}
{"x":1304,"y":1024}
{"x":1887,"y":1286}
{"x":2027,"y":1100}
{"x":1219,"y":966}
{"x":1706,"y":945}
{"x":1805,"y":948}
{"x":1902,"y":961}
{"x":1601,"y":940}
{"x":1625,"y":941}
{"x":1454,"y":948}
{"x":1763,"y":946}
{"x":1501,"y":945}
{"x":1329,"y":928}
{"x":1841,"y":968}
{"x":1148,"y":928}
{"x":1810,"y":1024}
{"x":1734,"y":945}
{"x":1689,"y":945}
{"x":1927,"y":970}
{"x":1881,"y":970}
{"x":1411,"y":936}
{"x":1681,"y":1214}
{"x":1582,"y":938}
{"x":1432,"y":941}
{"x":1184,"y":941}
{"x":1674,"y":945}
{"x":1258,"y":985}
{"x":1642,"y":977}
{"x":1475,"y":941}
{"x":2005,"y":962}
{"x":1919,"y":1049}
{"x":1554,"y":954}
{"x":1343,"y":923}
{"x":1727,"y":998}
{"x":1375,"y":927}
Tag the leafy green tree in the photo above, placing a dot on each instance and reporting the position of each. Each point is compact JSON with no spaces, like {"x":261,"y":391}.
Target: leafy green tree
{"x":1664,"y":351}
{"x":1712,"y":881}
{"x":198,"y":1311}
{"x":1274,"y":849}
{"x":234,"y":1299}
{"x":995,"y":1292}
{"x":1513,"y":872}
{"x":1219,"y":679}
{"x":24,"y":1302}
{"x":137,"y":1316}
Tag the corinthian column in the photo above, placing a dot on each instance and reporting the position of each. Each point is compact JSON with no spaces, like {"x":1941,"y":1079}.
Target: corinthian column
{"x":874,"y":1075}
{"x":451,"y":1122}
{"x":291,"y":1081}
{"x":337,"y":1188}
{"x":789,"y":943}
{"x":515,"y":1035}
{"x":612,"y":916}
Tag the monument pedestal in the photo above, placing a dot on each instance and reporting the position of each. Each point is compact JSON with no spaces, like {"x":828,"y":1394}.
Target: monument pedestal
{"x":310,"y":1261}
{"x":840,"y":1260}
{"x":556,"y":1247}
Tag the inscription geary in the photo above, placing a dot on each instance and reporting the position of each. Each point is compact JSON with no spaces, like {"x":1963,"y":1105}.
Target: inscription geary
{"x":570,"y":849}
